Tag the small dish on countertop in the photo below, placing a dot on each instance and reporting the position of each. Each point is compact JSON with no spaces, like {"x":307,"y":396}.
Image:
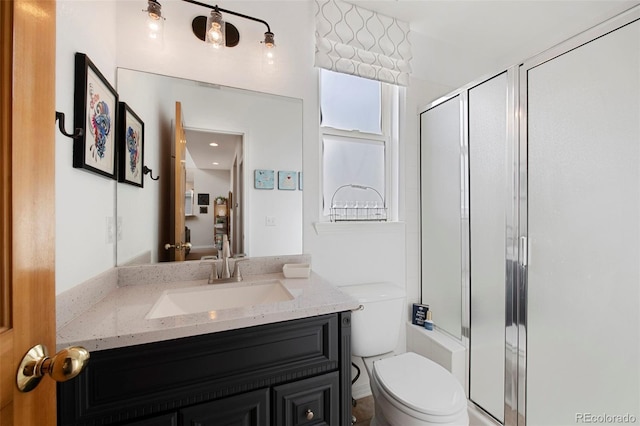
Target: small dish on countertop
{"x":296,"y":270}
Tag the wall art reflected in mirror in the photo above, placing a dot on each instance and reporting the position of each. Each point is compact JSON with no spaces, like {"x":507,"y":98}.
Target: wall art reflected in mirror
{"x":203,"y":138}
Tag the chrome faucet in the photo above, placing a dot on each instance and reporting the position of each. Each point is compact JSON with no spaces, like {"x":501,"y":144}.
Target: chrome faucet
{"x":215,"y":278}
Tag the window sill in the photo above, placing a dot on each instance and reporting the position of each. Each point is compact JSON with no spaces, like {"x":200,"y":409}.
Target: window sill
{"x":327,"y":228}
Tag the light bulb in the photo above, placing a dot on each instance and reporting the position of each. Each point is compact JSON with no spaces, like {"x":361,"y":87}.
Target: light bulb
{"x":269,"y":51}
{"x":155,"y":28}
{"x":155,"y":22}
{"x":215,"y":30}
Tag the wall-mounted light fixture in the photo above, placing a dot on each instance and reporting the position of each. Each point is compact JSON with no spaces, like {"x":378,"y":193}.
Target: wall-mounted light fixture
{"x":216,"y":31}
{"x":155,"y":21}
{"x":212,"y":29}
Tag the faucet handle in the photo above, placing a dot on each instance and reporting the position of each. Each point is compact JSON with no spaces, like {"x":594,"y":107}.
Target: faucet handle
{"x":236,"y":269}
{"x":214,"y":270}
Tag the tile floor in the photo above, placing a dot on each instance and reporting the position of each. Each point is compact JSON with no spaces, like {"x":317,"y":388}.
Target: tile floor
{"x":363,"y":411}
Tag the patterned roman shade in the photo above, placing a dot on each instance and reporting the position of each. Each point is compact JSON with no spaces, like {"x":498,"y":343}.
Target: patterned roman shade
{"x":357,"y":41}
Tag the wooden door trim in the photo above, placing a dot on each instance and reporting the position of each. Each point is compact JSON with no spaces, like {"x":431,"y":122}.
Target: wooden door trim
{"x":6,"y":65}
{"x":6,"y":334}
{"x":179,"y":184}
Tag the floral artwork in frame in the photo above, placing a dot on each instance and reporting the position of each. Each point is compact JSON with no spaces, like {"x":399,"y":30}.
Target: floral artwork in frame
{"x":287,"y":180}
{"x":95,"y":113}
{"x":130,"y":146}
{"x":264,"y":179}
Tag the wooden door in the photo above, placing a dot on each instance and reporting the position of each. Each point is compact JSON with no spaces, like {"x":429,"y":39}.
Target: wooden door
{"x":27,"y":269}
{"x":180,"y":184}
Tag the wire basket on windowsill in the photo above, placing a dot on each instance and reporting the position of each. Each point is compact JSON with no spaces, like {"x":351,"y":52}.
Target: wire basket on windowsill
{"x":358,"y":211}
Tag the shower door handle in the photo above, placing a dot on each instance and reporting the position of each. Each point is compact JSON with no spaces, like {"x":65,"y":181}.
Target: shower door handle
{"x":524,"y":251}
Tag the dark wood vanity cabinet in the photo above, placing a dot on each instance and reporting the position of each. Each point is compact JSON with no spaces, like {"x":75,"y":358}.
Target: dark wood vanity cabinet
{"x":246,"y":409}
{"x":289,"y":373}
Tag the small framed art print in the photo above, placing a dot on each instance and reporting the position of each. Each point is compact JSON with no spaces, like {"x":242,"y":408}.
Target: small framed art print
{"x":287,"y":180}
{"x":130,"y":146}
{"x":95,"y":113}
{"x":263,"y":179}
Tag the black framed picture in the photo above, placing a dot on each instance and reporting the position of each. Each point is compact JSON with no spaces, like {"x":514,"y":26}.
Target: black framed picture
{"x":95,"y":112}
{"x":130,"y":146}
{"x":203,"y":199}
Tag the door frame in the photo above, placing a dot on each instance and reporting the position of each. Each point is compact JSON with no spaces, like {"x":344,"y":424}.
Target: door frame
{"x":27,"y":203}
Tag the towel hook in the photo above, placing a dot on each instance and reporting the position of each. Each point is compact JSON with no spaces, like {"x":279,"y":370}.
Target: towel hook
{"x":146,"y":170}
{"x":60,"y":119}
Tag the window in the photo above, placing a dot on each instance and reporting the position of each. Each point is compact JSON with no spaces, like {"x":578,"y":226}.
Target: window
{"x":358,"y":117}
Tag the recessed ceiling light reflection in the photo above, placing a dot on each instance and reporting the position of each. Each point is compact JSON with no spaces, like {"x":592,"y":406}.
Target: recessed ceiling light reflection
{"x":213,"y":144}
{"x":215,"y":163}
{"x":213,"y":315}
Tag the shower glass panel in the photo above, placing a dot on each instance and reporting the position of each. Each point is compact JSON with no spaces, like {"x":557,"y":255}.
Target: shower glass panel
{"x":488,"y":186}
{"x":583,"y":325}
{"x":442,"y":214}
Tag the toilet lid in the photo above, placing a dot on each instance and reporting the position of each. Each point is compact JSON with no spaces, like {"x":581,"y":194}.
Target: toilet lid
{"x":420,"y":384}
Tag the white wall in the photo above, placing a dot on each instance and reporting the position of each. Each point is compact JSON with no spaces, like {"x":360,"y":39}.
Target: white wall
{"x":214,"y":183}
{"x":272,"y":140}
{"x":84,"y":200}
{"x":135,"y":205}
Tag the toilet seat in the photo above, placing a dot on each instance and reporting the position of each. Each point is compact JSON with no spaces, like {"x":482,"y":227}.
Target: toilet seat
{"x":432,"y":394}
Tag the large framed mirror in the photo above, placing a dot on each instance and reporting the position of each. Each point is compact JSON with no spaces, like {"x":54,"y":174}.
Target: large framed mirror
{"x":240,"y":130}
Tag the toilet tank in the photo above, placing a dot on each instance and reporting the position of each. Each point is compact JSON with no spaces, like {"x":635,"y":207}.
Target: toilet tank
{"x":375,"y":329}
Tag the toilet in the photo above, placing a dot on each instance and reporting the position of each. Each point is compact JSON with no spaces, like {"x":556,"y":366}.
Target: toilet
{"x":408,"y":389}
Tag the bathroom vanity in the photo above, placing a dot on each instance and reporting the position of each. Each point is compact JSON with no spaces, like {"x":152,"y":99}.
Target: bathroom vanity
{"x":282,"y":363}
{"x":286,"y":373}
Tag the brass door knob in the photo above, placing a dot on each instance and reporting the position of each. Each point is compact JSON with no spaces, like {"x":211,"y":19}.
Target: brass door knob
{"x":309,"y":414}
{"x":64,"y":365}
{"x":179,"y":246}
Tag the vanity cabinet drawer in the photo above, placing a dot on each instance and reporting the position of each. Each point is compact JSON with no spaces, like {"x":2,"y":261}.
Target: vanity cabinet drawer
{"x":307,"y":402}
{"x":248,"y":409}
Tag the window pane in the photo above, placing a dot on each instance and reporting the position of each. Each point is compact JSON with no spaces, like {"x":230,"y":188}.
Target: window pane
{"x":350,"y":103}
{"x":352,"y":161}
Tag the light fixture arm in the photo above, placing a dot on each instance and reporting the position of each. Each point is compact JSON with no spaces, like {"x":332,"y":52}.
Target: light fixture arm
{"x":229,"y":12}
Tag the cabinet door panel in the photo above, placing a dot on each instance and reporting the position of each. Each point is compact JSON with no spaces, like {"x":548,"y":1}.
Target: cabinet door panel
{"x":313,"y":401}
{"x":170,"y":419}
{"x":248,"y":409}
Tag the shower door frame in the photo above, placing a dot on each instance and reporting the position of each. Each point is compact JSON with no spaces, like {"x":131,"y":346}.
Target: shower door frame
{"x":516,"y":244}
{"x":519,"y":280}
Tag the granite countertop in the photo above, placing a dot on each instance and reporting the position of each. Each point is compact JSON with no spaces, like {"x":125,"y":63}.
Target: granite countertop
{"x":118,"y":320}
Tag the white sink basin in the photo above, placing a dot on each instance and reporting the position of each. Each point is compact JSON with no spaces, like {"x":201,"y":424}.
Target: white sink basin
{"x":207,"y":298}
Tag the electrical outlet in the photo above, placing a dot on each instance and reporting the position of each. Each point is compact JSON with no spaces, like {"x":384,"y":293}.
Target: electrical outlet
{"x":111,"y":230}
{"x":270,"y":221}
